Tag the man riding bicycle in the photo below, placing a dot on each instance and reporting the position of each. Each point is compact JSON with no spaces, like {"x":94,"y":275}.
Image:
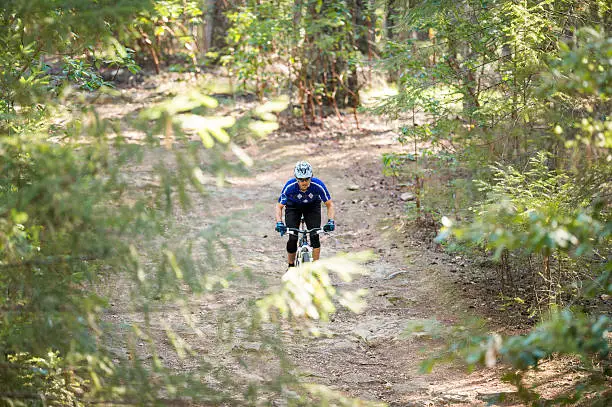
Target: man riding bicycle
{"x":302,"y":196}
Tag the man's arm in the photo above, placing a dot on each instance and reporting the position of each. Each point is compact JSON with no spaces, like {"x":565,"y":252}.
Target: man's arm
{"x":278,"y":212}
{"x":331,"y":211}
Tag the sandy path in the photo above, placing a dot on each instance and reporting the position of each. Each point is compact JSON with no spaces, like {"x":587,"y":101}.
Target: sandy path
{"x":363,"y":355}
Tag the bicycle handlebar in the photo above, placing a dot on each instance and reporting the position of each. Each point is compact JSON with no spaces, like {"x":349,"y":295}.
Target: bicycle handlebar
{"x":295,"y":231}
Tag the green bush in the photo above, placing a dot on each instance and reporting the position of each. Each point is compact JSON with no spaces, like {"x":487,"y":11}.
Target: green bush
{"x":41,"y":381}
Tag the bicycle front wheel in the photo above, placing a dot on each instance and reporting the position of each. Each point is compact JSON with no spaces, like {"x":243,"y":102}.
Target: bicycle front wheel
{"x":306,"y":257}
{"x":298,"y":259}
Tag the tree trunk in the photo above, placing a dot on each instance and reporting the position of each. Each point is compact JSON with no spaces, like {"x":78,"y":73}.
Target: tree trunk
{"x":206,"y":29}
{"x":467,"y":82}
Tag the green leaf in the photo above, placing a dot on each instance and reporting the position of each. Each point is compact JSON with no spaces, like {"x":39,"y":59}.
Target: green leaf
{"x":262,"y":128}
{"x":207,"y":140}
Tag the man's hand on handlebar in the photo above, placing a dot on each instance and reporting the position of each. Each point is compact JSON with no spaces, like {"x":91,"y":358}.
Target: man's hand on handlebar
{"x":281,"y":228}
{"x":329,"y":226}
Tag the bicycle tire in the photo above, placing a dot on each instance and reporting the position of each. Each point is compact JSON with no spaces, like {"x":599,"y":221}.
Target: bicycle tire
{"x":306,"y":258}
{"x":298,"y":259}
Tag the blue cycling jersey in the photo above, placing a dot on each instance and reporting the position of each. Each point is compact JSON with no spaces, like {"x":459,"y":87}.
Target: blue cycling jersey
{"x":292,"y":196}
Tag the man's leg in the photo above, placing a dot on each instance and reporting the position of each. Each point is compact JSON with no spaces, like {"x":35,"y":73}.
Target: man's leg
{"x":292,"y":220}
{"x":312,"y":216}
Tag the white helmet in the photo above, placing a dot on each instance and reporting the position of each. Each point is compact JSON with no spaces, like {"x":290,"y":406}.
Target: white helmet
{"x":303,"y":170}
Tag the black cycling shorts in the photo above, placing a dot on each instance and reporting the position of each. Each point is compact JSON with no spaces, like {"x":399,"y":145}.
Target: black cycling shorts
{"x":312,"y":217}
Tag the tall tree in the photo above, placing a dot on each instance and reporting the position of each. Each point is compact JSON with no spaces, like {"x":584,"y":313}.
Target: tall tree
{"x":318,"y":42}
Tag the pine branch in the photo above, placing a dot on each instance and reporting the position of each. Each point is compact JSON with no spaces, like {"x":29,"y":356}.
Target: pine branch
{"x":481,"y":30}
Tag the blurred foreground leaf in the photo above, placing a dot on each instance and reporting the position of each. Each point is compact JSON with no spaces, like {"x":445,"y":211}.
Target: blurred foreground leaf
{"x":308,"y":292}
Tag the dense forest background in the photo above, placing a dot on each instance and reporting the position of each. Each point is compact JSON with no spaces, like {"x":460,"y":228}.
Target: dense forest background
{"x":505,"y":105}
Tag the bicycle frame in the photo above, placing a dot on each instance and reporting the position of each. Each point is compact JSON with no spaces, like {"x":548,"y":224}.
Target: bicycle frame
{"x":304,"y":251}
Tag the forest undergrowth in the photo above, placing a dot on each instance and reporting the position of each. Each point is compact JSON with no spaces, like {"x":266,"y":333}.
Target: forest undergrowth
{"x":468,"y":145}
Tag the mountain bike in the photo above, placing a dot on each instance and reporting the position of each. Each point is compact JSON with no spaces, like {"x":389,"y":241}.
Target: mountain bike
{"x":304,"y":252}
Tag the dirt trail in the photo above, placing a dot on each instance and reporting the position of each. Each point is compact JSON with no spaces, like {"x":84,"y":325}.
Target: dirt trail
{"x":364,"y":355}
